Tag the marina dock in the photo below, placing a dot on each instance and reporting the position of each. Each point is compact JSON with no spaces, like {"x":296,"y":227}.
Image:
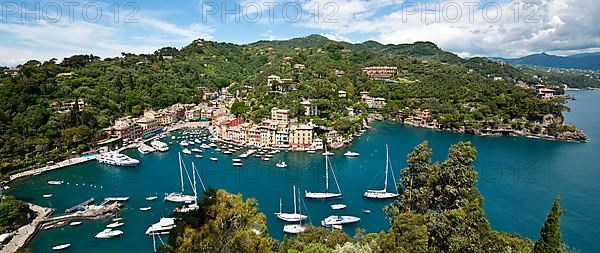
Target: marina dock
{"x":59,"y":165}
{"x":80,"y":206}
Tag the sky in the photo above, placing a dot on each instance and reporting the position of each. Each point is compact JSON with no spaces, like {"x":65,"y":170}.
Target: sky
{"x":43,"y":30}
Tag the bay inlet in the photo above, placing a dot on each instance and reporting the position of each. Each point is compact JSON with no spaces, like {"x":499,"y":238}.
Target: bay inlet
{"x":518,"y":177}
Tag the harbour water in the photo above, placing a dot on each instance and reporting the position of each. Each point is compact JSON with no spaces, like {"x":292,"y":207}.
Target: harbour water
{"x":519,"y":178}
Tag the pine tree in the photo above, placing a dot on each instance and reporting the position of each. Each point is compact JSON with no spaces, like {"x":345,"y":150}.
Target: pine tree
{"x":549,"y":241}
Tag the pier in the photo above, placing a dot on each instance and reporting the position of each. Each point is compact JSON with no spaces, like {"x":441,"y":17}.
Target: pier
{"x":114,"y":199}
{"x":80,"y":206}
{"x":59,"y":165}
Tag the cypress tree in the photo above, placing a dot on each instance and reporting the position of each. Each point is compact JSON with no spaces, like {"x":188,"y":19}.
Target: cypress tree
{"x":549,"y":241}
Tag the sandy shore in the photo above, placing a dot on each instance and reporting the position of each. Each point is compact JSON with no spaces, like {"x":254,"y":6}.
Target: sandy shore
{"x":22,"y":236}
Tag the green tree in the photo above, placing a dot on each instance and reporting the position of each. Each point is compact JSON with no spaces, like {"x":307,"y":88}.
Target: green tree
{"x":455,"y":179}
{"x":550,"y":238}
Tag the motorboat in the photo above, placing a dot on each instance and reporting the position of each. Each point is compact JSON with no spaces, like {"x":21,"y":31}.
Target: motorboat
{"x":236,"y":160}
{"x":145,"y":149}
{"x":117,"y":159}
{"x":117,"y":219}
{"x":198,"y":156}
{"x":367,"y":211}
{"x":339,"y":220}
{"x":150,"y":198}
{"x":196,"y":150}
{"x":108,"y":233}
{"x":47,"y":195}
{"x":162,"y":227}
{"x":281,"y":164}
{"x":293,"y":228}
{"x":205,"y":146}
{"x":237,"y":164}
{"x":351,"y":154}
{"x":214,"y":159}
{"x":61,"y":247}
{"x":186,"y":151}
{"x":55,"y":182}
{"x":338,"y":206}
{"x":115,"y":225}
{"x":143,"y":209}
{"x":159,"y":145}
{"x":311,"y":151}
{"x":184,"y":143}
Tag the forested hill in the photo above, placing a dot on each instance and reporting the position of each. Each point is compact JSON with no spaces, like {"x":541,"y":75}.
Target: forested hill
{"x":460,"y":93}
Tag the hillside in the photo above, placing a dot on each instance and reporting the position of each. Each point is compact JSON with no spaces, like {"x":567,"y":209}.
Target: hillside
{"x":462,"y":95}
{"x":590,"y":61}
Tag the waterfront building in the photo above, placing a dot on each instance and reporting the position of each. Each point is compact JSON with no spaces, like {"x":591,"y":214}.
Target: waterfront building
{"x":317,"y":144}
{"x":280,"y":115}
{"x":192,"y":113}
{"x":301,"y":136}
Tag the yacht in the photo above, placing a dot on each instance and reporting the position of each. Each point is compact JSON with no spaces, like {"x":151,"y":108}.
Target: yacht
{"x":383,"y":193}
{"x":326,"y":194}
{"x":339,"y":220}
{"x":159,"y":145}
{"x":108,"y":233}
{"x":117,"y":159}
{"x":291,"y":217}
{"x":351,"y":154}
{"x":145,"y":149}
{"x":281,"y":164}
{"x":179,"y":197}
{"x":162,"y":227}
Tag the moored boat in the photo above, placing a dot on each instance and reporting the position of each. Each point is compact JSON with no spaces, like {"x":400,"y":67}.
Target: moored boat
{"x":351,"y":154}
{"x":61,"y":247}
{"x":55,"y":182}
{"x":115,"y":224}
{"x":145,"y":208}
{"x":163,"y":226}
{"x":338,"y":206}
{"x":339,"y":220}
{"x":117,"y":159}
{"x":108,"y":233}
{"x":281,"y":164}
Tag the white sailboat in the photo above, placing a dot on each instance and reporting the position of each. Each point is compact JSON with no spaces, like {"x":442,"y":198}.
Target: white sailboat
{"x":194,"y":206}
{"x":291,"y":217}
{"x":383,"y":193}
{"x":295,"y":228}
{"x":325,"y":195}
{"x":179,"y":197}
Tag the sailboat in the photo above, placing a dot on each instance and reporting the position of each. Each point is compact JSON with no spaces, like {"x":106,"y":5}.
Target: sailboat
{"x":291,"y":217}
{"x":325,"y":195}
{"x":295,"y":228}
{"x":194,"y":206}
{"x":383,"y":194}
{"x":179,"y":197}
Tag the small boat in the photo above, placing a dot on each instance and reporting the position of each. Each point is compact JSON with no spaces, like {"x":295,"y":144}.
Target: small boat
{"x":47,"y":195}
{"x":150,"y":198}
{"x":367,"y":211}
{"x":338,"y":206}
{"x":311,"y":151}
{"x":117,"y":219}
{"x":55,"y":182}
{"x":186,"y":151}
{"x":196,"y":150}
{"x":238,"y":164}
{"x":205,"y":146}
{"x":236,"y":160}
{"x":115,"y":224}
{"x":281,"y":164}
{"x":218,"y":149}
{"x":214,"y":159}
{"x":293,"y":229}
{"x":338,"y":227}
{"x":62,"y":246}
{"x":108,"y":233}
{"x":75,"y":223}
{"x":184,"y":144}
{"x":266,"y":159}
{"x":351,"y":154}
{"x":145,"y":208}
{"x":227,"y":152}
{"x":327,"y":153}
{"x":198,"y":156}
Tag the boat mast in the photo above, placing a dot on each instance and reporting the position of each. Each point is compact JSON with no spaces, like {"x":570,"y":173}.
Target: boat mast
{"x":181,"y":172}
{"x":326,"y":168}
{"x":387,"y":163}
{"x":279,"y":205}
{"x":194,"y":184}
{"x":294,"y":199}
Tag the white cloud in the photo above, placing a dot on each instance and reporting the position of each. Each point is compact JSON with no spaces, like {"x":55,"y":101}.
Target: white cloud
{"x":562,"y":25}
